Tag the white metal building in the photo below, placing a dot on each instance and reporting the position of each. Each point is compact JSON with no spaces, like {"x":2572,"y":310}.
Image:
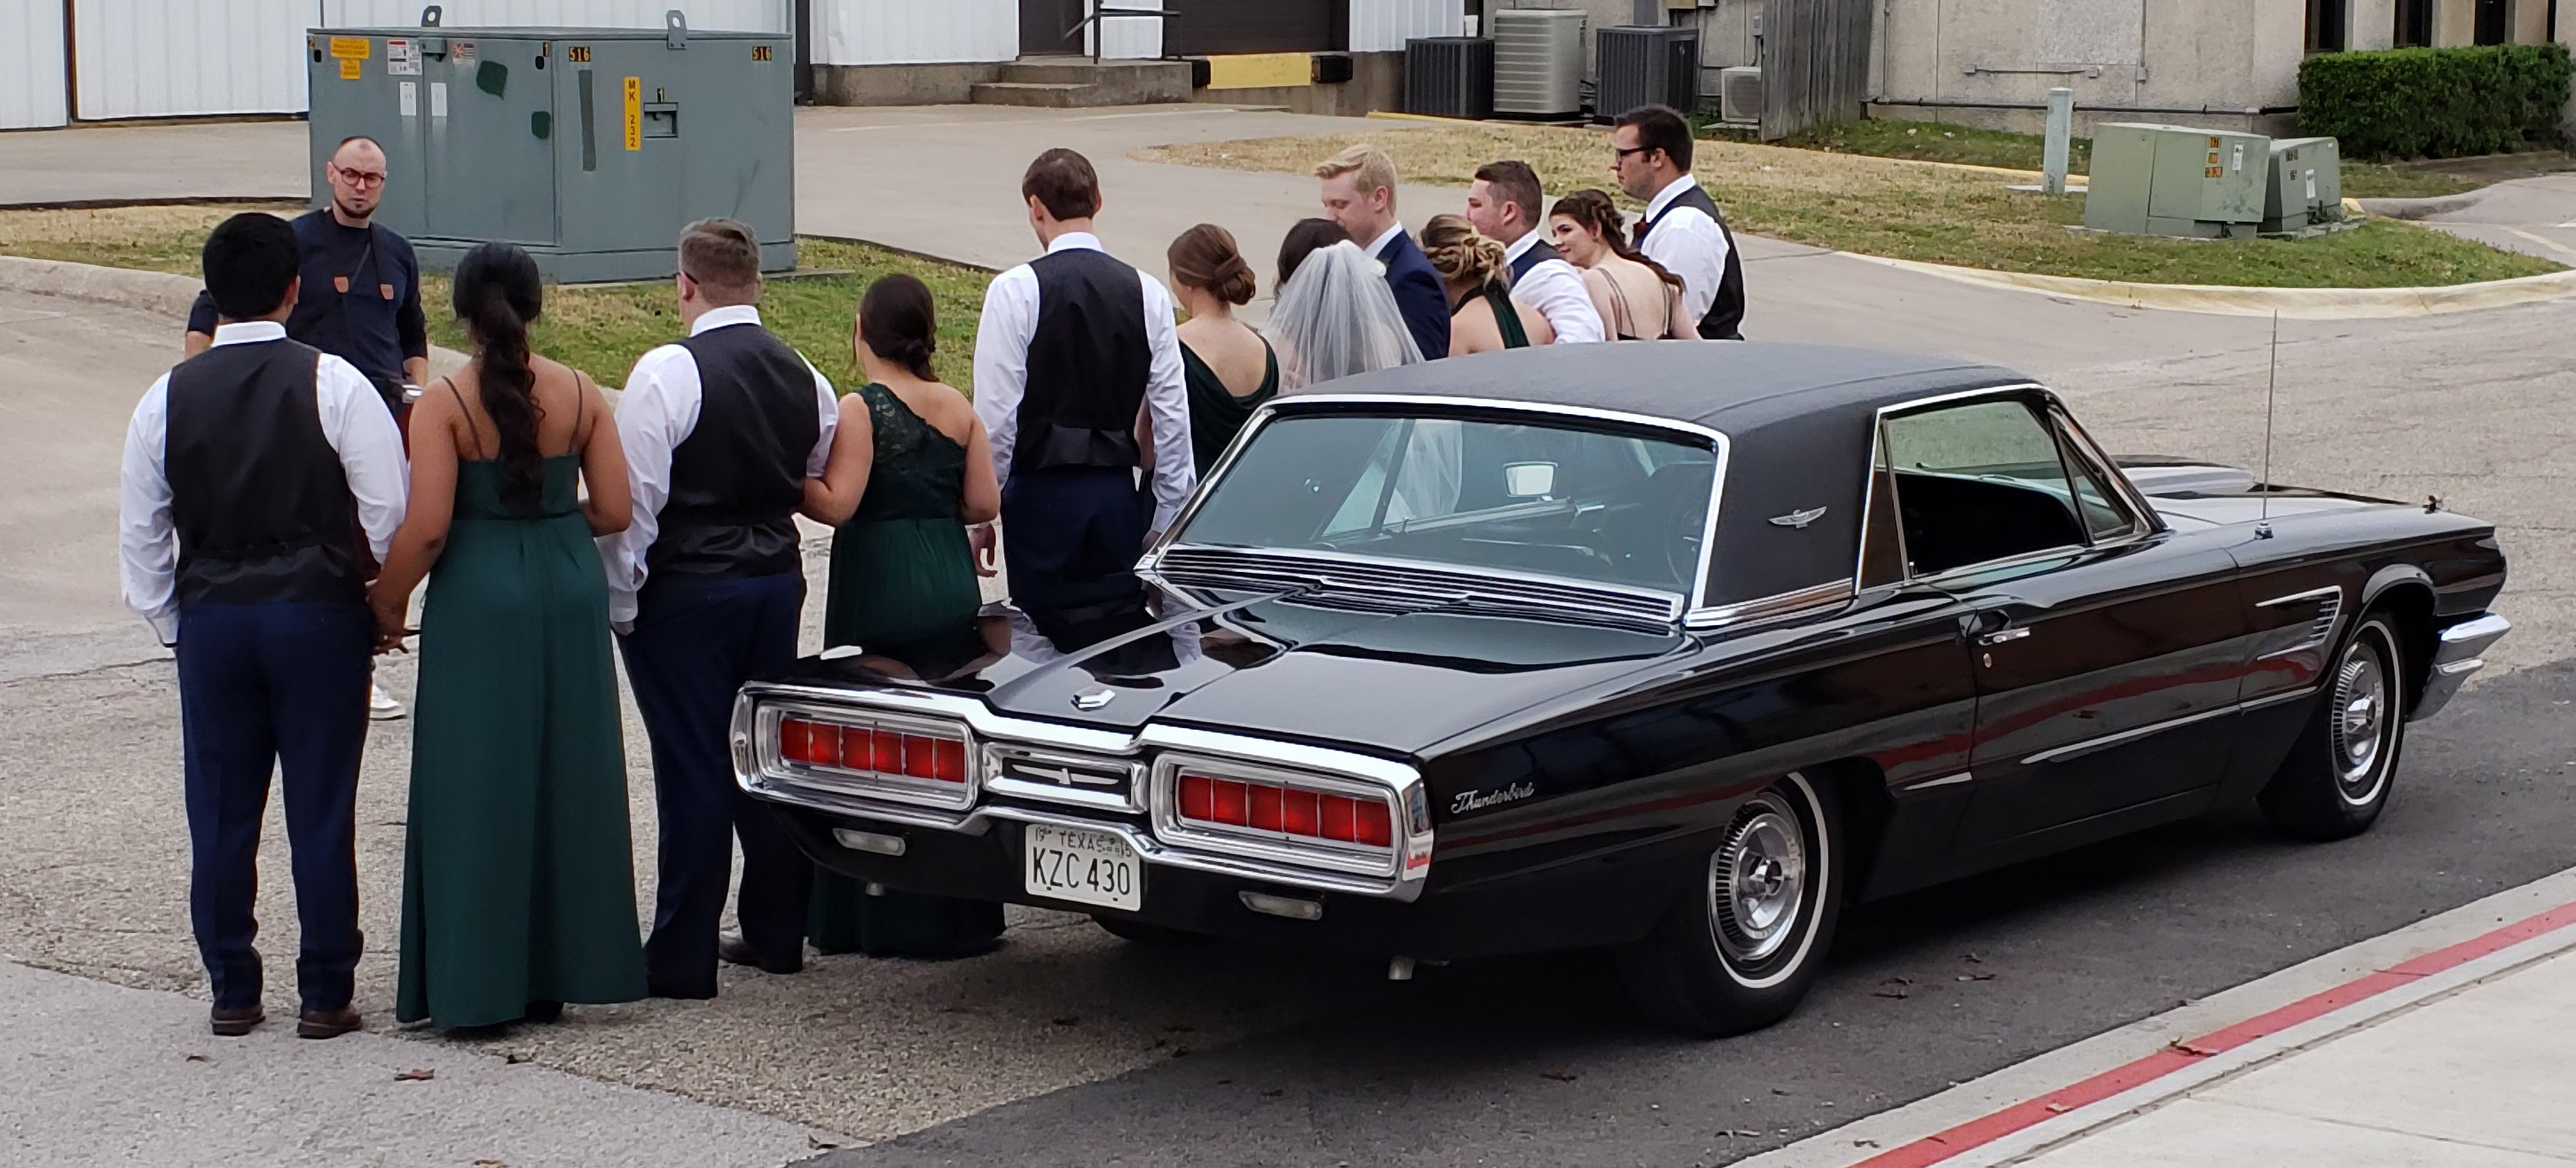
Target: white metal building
{"x":118,"y":59}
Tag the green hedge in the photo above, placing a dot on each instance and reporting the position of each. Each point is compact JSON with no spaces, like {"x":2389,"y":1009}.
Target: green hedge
{"x":2436,"y":103}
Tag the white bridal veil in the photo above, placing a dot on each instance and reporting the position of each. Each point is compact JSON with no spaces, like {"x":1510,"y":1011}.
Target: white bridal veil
{"x":1336,"y":317}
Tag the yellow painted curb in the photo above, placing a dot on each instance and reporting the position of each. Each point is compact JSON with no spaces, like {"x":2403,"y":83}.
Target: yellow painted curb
{"x":1260,"y":70}
{"x":2292,"y":303}
{"x":1435,"y":119}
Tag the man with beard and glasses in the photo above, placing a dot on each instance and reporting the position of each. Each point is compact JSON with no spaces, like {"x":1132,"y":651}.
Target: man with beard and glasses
{"x":360,"y":300}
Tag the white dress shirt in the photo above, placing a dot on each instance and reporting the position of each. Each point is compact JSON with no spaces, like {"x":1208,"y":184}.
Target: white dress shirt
{"x":1689,"y":245}
{"x":1010,"y":322}
{"x":1556,"y":291}
{"x":657,"y":412}
{"x":354,"y":422}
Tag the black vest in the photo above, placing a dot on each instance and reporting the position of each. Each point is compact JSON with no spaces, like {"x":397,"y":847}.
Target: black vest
{"x":257,"y":493}
{"x":1725,"y":319}
{"x":1539,"y":253}
{"x":1089,"y":362}
{"x":739,"y":476}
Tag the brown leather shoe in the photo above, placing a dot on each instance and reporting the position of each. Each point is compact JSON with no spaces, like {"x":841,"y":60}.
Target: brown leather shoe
{"x":328,"y":1023}
{"x":235,"y":1022}
{"x":733,"y":950}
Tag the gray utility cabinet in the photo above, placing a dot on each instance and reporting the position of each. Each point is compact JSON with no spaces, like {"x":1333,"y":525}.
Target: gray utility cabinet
{"x":2176,"y":180}
{"x":2305,"y":187}
{"x":590,"y":147}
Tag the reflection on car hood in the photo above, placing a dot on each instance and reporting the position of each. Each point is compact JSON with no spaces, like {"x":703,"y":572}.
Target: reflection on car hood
{"x":1256,"y":663}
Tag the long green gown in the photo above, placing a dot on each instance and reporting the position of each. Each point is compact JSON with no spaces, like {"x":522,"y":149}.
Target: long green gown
{"x":1216,"y":415}
{"x":902,"y":575}
{"x":518,"y":873}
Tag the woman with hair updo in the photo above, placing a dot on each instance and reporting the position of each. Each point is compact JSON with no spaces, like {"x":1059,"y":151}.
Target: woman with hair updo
{"x":1478,"y":273}
{"x":518,"y":873}
{"x":1636,"y":296}
{"x":1227,"y":367}
{"x":910,"y":470}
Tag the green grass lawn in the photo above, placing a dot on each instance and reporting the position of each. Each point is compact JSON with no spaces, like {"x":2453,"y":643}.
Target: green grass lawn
{"x":1933,"y":142}
{"x":599,"y":330}
{"x":1880,"y":207}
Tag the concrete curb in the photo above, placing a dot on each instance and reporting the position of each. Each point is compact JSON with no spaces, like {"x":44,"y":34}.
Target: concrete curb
{"x":162,"y":293}
{"x":2290,"y":303}
{"x":2412,"y":210}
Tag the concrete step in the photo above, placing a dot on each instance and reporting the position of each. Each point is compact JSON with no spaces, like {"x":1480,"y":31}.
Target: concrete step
{"x":1129,"y":82}
{"x":1032,"y":93}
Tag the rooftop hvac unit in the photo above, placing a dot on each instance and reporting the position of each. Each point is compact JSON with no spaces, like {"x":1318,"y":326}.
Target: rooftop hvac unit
{"x":1646,"y":65}
{"x":1739,"y":94}
{"x":1538,"y":63}
{"x":1449,"y":77}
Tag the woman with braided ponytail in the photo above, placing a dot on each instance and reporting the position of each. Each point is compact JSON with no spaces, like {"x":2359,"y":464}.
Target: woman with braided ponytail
{"x":1636,"y":296}
{"x":1478,"y":273}
{"x":518,"y":873}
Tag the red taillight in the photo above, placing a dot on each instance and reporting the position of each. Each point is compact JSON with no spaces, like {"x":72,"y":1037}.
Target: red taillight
{"x":860,"y":748}
{"x":1287,"y":810}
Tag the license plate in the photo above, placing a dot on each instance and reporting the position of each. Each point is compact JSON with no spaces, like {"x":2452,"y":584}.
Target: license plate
{"x":1088,"y":867}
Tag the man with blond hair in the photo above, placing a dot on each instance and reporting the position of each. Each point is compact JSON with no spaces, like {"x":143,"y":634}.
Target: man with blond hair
{"x":1359,"y":194}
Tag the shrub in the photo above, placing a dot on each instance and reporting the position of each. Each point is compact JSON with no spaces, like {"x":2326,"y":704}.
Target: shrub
{"x":2436,"y":103}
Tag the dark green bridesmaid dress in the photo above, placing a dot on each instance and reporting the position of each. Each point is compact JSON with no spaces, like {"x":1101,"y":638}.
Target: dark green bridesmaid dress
{"x":902,"y":576}
{"x":1216,"y":415}
{"x":518,"y":871}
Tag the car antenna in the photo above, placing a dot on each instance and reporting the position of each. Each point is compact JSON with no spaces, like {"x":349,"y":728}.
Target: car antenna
{"x":2271,"y":393}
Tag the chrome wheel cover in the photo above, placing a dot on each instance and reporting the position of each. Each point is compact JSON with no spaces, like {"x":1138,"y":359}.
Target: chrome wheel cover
{"x":2361,"y":721}
{"x":1758,"y":881}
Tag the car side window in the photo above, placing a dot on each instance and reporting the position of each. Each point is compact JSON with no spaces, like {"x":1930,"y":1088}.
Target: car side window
{"x":1978,"y":482}
{"x":2105,"y":517}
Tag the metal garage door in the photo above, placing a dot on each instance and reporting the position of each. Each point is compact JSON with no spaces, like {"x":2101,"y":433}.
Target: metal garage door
{"x":173,"y":58}
{"x":31,"y":66}
{"x":1202,"y":28}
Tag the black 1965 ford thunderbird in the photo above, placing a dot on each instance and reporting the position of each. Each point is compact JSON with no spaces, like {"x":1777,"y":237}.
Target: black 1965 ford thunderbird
{"x":1672,"y":648}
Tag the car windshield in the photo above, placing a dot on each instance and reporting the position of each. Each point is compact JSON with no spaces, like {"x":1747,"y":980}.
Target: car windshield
{"x":1600,"y":505}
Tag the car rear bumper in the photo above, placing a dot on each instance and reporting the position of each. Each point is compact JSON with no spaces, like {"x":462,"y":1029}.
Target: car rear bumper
{"x":2458,"y":655}
{"x":1563,"y":909}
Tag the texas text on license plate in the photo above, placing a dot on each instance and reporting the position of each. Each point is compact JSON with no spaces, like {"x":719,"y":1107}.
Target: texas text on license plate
{"x":1091,"y":867}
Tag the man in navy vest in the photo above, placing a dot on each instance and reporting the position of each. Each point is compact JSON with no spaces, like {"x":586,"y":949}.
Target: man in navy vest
{"x":251,"y":471}
{"x":1681,"y":228}
{"x":705,"y":588}
{"x":1505,"y":205}
{"x":1074,"y":348}
{"x":1359,"y":194}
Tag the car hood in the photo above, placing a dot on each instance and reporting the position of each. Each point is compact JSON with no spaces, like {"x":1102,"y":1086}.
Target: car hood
{"x":1256,"y":663}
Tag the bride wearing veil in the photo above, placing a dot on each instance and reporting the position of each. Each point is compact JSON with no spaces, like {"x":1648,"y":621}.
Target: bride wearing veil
{"x":1335,"y":317}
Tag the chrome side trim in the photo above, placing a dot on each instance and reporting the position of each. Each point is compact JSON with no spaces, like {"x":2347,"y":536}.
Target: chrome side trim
{"x":1943,"y":781}
{"x":2456,"y":658}
{"x":2267,"y":701}
{"x":764,"y":778}
{"x":2321,"y":631}
{"x":1769,"y":608}
{"x":1269,"y":411}
{"x":2107,"y":741}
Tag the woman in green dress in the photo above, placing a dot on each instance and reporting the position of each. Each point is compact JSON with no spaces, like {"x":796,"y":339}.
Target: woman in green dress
{"x":518,"y":872}
{"x":910,"y":470}
{"x":1478,"y":273}
{"x":1228,"y":368}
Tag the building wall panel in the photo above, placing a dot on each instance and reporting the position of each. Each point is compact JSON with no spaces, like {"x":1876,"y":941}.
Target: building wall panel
{"x":713,"y":15}
{"x":31,"y":66}
{"x":175,"y":58}
{"x":1382,"y":26}
{"x":910,"y":32}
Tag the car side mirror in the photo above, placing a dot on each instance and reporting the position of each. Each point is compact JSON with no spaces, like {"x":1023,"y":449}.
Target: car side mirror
{"x":1529,"y":480}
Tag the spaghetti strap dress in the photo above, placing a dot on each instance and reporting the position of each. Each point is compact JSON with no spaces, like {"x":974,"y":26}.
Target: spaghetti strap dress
{"x":902,"y":574}
{"x":1216,"y":414}
{"x":1506,"y":318}
{"x":518,"y":870}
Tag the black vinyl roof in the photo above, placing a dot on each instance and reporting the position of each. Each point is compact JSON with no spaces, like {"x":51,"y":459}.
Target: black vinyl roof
{"x":1799,"y":420}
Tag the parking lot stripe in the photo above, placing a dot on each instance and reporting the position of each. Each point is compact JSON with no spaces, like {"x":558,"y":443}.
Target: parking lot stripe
{"x":2182,"y":1054}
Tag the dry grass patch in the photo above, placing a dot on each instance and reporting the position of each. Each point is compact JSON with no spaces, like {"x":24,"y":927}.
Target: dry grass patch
{"x":1904,"y":210}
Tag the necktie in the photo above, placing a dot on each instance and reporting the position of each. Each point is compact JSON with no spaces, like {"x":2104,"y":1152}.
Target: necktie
{"x":1637,"y":234}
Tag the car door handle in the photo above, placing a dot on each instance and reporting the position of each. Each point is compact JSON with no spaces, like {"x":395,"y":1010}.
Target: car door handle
{"x":2002,"y":635}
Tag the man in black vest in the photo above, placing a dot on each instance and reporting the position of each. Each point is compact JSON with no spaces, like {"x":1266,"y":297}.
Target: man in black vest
{"x":1074,"y":347}
{"x":250,"y":472}
{"x":1682,"y":228}
{"x":721,"y":431}
{"x":1504,"y":205}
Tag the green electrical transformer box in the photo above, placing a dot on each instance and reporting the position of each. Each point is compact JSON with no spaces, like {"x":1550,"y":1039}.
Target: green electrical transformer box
{"x":2175,"y":180}
{"x":2306,"y":188}
{"x":589,"y":147}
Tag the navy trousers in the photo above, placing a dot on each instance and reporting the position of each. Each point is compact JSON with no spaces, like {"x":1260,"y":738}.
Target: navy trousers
{"x":262,"y":688}
{"x":1074,"y":536}
{"x":695,"y":641}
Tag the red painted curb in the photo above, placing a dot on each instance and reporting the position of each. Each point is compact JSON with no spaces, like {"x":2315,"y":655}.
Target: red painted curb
{"x":2028,"y":1113}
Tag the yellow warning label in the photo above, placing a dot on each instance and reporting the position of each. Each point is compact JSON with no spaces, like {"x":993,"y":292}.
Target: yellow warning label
{"x":348,"y":70}
{"x":634,"y":113}
{"x":352,"y":48}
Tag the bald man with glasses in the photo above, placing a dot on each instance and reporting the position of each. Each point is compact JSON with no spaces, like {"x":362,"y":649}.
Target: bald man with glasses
{"x":360,"y":300}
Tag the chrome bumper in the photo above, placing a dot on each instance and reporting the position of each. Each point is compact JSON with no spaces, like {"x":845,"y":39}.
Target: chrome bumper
{"x":2457,"y":656}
